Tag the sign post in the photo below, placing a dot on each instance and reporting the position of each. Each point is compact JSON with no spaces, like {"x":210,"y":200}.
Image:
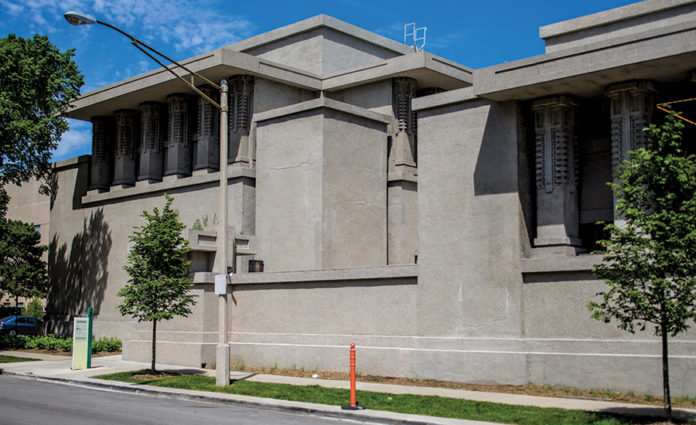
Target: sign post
{"x":82,"y":342}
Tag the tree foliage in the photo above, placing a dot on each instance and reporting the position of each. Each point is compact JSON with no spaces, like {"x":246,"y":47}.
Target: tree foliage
{"x":22,"y":268}
{"x":650,"y":263}
{"x":159,"y":284}
{"x":37,"y":82}
{"x":33,"y":308}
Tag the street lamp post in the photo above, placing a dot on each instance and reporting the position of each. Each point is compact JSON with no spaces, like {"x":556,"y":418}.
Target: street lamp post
{"x":222,"y":352}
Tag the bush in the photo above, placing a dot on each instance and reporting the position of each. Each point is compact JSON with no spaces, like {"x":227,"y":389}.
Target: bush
{"x":107,"y":345}
{"x":53,"y":343}
{"x":12,"y":342}
{"x":34,"y":309}
{"x":49,"y":342}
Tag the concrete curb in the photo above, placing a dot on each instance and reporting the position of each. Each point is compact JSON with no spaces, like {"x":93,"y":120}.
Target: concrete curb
{"x":378,"y":416}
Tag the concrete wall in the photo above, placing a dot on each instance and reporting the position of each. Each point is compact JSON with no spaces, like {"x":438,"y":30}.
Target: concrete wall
{"x":322,"y":51}
{"x":89,"y":247}
{"x":321,"y":179}
{"x":375,"y":96}
{"x":28,"y":205}
{"x":481,"y":305}
{"x":469,"y":276}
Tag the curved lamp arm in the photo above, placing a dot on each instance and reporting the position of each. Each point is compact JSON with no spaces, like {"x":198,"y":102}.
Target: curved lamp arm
{"x":78,"y":18}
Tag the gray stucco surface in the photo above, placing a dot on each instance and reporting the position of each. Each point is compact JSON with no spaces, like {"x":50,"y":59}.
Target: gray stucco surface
{"x":437,"y":217}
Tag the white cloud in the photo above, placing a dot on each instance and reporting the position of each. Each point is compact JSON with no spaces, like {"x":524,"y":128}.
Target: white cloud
{"x":395,"y":31}
{"x":447,"y":40}
{"x":76,"y":141}
{"x":184,"y":23}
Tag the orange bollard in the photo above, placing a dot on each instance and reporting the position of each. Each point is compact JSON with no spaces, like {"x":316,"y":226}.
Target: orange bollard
{"x":353,"y":402}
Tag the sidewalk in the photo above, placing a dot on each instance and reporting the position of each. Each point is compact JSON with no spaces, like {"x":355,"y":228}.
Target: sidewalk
{"x":57,"y":368}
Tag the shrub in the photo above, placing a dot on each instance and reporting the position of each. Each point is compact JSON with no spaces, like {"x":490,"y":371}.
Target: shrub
{"x":49,"y":342}
{"x":107,"y":345}
{"x":12,"y":342}
{"x":53,"y":343}
{"x":34,"y":309}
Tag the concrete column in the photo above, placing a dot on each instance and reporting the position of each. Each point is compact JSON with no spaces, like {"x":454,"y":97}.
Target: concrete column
{"x":402,"y":196}
{"x":403,"y":149}
{"x":241,"y":105}
{"x":153,"y":136}
{"x":556,"y":175}
{"x":402,"y":221}
{"x":182,"y":125}
{"x":631,"y":111}
{"x":208,"y":144}
{"x":127,"y":132}
{"x":102,"y":153}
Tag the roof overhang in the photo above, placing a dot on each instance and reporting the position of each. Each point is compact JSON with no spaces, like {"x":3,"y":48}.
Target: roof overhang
{"x":154,"y":86}
{"x":661,"y":55}
{"x":428,"y":69}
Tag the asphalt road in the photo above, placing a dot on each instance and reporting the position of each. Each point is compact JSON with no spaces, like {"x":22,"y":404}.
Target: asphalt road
{"x":26,"y":401}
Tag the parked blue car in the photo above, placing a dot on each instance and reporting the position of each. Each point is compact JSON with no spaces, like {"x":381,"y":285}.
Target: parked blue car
{"x":13,"y":325}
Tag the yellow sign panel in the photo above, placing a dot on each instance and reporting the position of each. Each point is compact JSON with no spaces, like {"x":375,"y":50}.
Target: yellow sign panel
{"x":81,"y":346}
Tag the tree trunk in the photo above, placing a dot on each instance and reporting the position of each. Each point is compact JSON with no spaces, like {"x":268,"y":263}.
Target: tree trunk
{"x":154,"y":343}
{"x":665,"y":374}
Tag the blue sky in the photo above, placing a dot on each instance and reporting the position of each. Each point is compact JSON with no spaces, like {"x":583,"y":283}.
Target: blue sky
{"x":474,"y":33}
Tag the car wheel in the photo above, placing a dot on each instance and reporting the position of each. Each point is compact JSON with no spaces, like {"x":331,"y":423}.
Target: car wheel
{"x":13,"y":332}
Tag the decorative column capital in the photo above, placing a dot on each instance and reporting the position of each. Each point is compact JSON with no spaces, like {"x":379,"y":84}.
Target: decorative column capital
{"x":102,"y":152}
{"x":403,"y":91}
{"x":182,"y":125}
{"x":207,"y":155}
{"x":556,"y":161}
{"x":241,"y":106}
{"x":560,"y":101}
{"x":556,"y":174}
{"x":630,"y":87}
{"x":240,"y":99}
{"x":631,"y":110}
{"x":153,"y":114}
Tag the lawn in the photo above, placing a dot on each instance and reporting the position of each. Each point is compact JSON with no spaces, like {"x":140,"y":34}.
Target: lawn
{"x":402,"y":403}
{"x":13,"y":359}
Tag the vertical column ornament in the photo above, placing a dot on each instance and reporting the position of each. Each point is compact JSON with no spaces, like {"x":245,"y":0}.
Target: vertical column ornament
{"x":153,"y":135}
{"x":181,"y":123}
{"x":404,"y":143}
{"x":102,"y":153}
{"x":631,"y":111}
{"x":241,"y":105}
{"x":127,"y":135}
{"x":208,"y":145}
{"x":631,"y":108}
{"x":556,"y":172}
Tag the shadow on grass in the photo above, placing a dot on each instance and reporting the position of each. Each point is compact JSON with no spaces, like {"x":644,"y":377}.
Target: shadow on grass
{"x":654,"y":412}
{"x":243,"y":378}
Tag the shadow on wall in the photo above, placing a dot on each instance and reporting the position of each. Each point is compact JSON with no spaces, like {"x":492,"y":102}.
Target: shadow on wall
{"x":77,"y":275}
{"x":496,"y":165}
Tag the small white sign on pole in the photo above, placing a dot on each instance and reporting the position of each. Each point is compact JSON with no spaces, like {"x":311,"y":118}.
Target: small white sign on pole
{"x":220,"y":284}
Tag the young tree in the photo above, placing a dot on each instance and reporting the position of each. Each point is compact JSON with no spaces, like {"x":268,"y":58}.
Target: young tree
{"x":36,"y":83}
{"x":159,"y":284}
{"x":650,"y":263}
{"x":22,"y":270}
{"x":34,"y":309}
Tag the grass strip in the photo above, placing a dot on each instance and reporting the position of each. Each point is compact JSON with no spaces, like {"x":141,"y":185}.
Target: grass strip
{"x":401,"y":403}
{"x":13,"y":359}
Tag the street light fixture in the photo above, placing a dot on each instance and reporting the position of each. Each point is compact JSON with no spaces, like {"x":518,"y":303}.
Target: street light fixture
{"x":222,"y":352}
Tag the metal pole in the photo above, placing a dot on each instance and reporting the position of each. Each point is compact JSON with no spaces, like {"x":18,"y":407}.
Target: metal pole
{"x":222,"y":366}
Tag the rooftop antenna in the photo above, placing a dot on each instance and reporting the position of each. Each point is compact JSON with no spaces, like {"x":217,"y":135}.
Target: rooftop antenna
{"x":414,"y":37}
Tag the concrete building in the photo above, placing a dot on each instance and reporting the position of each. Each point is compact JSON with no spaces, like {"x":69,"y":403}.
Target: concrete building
{"x":437,"y":216}
{"x":28,"y":205}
